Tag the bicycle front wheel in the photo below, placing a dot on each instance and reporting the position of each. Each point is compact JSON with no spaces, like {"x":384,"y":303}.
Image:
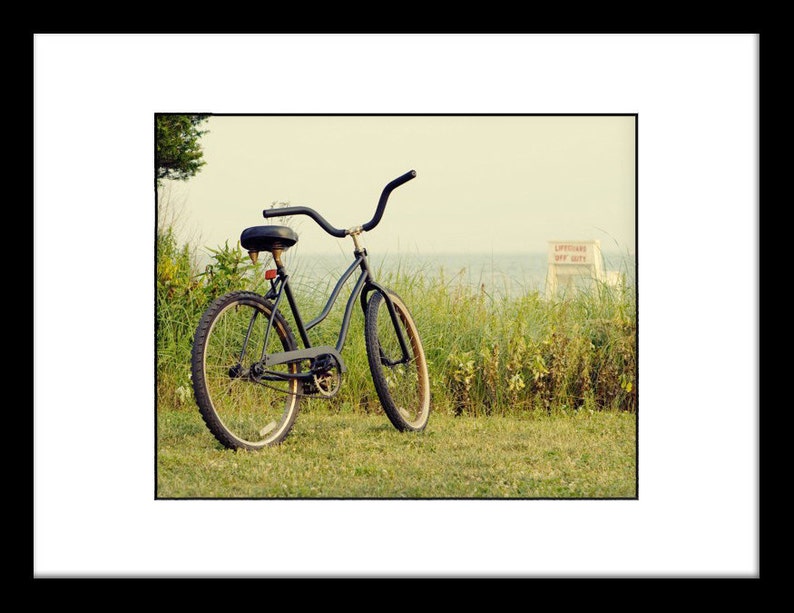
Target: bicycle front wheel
{"x":244,"y":406}
{"x":401,"y":380}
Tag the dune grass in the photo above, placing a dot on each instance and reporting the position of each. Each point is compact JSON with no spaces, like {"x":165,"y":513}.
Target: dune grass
{"x":488,"y":354}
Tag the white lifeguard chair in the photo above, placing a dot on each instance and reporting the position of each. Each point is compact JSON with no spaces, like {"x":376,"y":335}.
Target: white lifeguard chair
{"x":574,"y":266}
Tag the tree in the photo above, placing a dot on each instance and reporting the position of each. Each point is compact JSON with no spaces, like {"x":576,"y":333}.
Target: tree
{"x":178,"y":154}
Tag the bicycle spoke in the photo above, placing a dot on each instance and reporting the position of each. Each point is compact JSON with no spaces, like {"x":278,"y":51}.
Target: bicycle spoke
{"x":239,"y":409}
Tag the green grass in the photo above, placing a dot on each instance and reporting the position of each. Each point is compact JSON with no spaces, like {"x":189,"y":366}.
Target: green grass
{"x":348,"y":454}
{"x":532,"y":398}
{"x":487,"y":354}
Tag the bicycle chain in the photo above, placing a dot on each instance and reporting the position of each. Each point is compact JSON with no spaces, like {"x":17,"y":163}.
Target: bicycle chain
{"x":318,"y":385}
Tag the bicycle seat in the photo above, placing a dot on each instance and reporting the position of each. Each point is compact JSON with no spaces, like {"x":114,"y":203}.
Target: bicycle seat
{"x":268,"y":238}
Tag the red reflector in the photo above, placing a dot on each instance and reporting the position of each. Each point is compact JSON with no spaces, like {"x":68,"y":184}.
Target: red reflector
{"x":270,"y":274}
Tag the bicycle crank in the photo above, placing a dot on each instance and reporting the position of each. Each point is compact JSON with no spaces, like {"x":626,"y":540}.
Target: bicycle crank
{"x":326,"y":376}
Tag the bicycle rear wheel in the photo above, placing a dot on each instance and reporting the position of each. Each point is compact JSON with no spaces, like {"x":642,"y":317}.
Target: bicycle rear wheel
{"x":243,"y":407}
{"x":402,"y":382}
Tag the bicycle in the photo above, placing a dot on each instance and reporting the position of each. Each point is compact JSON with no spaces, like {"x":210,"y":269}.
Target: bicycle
{"x":249,"y":375}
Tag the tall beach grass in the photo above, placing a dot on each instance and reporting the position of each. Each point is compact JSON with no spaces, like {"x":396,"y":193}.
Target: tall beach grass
{"x":489,"y":353}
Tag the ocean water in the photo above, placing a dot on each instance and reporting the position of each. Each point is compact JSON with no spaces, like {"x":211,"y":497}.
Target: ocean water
{"x":505,"y":274}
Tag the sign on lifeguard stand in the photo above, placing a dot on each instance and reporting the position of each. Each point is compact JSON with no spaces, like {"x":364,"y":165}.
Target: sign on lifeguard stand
{"x":574,"y":265}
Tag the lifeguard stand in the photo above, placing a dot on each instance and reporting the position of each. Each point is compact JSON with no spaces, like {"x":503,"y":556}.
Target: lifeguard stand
{"x":574,"y":265}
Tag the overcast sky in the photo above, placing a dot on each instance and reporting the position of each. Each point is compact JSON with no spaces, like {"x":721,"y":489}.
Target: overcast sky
{"x":484,"y":183}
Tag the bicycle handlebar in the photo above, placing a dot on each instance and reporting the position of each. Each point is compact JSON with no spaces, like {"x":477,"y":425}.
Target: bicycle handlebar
{"x":304,"y":210}
{"x":323,"y":223}
{"x":384,"y":197}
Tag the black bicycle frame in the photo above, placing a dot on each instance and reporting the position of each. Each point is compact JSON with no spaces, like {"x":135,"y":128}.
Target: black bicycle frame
{"x":364,"y":286}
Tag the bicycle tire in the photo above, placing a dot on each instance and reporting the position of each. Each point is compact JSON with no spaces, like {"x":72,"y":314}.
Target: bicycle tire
{"x":241,"y":411}
{"x":403,"y":389}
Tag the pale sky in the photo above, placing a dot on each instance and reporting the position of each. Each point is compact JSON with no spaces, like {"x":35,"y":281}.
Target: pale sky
{"x":484,"y":183}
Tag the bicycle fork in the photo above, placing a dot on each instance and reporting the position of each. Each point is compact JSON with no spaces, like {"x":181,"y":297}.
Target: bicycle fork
{"x":395,"y":320}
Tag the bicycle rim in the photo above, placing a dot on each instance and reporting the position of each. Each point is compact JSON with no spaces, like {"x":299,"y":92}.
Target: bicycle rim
{"x":241,"y":407}
{"x":402,"y":387}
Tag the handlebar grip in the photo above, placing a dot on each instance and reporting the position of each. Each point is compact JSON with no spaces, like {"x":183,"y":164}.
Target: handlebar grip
{"x":302,"y":210}
{"x":385,"y":196}
{"x":404,"y":179}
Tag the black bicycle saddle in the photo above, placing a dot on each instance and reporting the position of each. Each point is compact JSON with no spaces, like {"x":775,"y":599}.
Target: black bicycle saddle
{"x":268,"y":238}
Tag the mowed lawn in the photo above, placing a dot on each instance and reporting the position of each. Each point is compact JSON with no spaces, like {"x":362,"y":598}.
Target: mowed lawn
{"x":337,"y":454}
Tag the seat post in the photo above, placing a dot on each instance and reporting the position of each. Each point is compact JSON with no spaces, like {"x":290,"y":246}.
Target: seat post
{"x":277,"y":258}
